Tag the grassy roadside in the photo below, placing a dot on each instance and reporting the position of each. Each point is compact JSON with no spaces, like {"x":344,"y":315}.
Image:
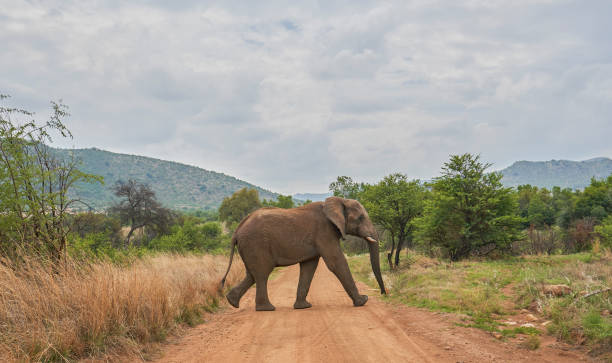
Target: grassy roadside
{"x":92,"y":309}
{"x":490,"y":293}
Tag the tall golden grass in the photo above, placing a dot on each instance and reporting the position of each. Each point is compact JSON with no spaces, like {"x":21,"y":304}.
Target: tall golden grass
{"x":90,"y":309}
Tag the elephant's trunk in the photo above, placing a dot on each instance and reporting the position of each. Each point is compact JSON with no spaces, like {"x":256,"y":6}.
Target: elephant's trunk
{"x":375,"y":261}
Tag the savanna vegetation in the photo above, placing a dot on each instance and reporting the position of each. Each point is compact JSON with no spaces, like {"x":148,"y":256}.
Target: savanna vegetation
{"x":490,"y":252}
{"x":516,"y":296}
{"x":467,"y":212}
{"x":102,"y":308}
{"x":76,"y":281}
{"x":83,"y":284}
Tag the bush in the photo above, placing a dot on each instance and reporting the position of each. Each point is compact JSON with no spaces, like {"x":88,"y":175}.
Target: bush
{"x":605,"y":232}
{"x":193,"y":236}
{"x":469,"y":210}
{"x":580,"y":235}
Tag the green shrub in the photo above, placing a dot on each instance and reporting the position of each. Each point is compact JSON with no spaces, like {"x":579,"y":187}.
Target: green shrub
{"x":605,"y":232}
{"x":597,"y":328}
{"x":192,"y":236}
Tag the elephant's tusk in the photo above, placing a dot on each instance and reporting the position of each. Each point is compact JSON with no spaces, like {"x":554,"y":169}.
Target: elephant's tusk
{"x":371,"y":240}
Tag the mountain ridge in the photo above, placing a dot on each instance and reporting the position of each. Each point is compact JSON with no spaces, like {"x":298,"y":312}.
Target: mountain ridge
{"x":187,"y":187}
{"x":561,"y":173}
{"x":177,"y":185}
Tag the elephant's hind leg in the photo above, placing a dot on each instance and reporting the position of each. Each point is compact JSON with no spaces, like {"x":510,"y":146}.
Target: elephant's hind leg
{"x":262,"y":302}
{"x":235,"y":294}
{"x":307,"y":271}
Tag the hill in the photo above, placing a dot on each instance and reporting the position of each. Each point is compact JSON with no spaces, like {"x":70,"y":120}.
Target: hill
{"x":562,"y":173}
{"x":177,"y":186}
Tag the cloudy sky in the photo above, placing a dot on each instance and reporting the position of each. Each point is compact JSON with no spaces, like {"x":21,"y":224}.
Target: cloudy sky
{"x":290,"y":94}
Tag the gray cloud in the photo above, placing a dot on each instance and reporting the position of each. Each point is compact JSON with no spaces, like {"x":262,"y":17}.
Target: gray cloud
{"x":289,"y":95}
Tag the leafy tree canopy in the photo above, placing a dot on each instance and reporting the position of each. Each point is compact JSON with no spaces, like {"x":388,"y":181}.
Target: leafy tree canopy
{"x":392,"y":204}
{"x":282,"y":201}
{"x":595,"y":200}
{"x":234,"y":208}
{"x":345,"y":187}
{"x":468,"y":209}
{"x":34,"y":184}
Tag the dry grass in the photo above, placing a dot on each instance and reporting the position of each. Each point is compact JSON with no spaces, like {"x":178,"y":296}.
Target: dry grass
{"x":91,"y":309}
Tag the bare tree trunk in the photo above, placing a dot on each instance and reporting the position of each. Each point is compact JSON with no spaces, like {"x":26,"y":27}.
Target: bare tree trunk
{"x":390,"y":254}
{"x":400,"y":244}
{"x":127,"y":239}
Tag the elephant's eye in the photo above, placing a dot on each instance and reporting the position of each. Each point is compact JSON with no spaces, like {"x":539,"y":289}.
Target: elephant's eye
{"x":360,"y":218}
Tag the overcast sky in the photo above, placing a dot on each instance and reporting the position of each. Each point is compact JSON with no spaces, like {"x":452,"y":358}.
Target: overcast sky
{"x":290,"y":94}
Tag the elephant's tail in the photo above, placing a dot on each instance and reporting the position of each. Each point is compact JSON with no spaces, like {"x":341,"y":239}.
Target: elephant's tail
{"x":234,"y":241}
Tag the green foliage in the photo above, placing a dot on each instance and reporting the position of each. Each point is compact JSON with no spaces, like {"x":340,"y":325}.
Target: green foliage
{"x":536,"y":206}
{"x":98,"y":246}
{"x":597,"y":328}
{"x":345,"y":187}
{"x":579,"y":216}
{"x":392,"y":204}
{"x":282,"y":201}
{"x":469,"y":209}
{"x":605,"y":232}
{"x":86,"y":223}
{"x":564,"y":202}
{"x":102,"y":240}
{"x":596,"y":200}
{"x":192,"y":236}
{"x":34,"y":184}
{"x":233,"y":209}
{"x":204,"y":215}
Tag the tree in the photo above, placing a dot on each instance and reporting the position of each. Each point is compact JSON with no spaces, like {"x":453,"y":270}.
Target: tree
{"x":35,"y":185}
{"x":283,"y":201}
{"x":345,"y":187}
{"x":605,"y":232}
{"x":564,"y":204}
{"x":82,"y":224}
{"x":469,"y":209}
{"x":233,"y":209}
{"x":392,"y":204}
{"x":140,"y":208}
{"x":536,"y":206}
{"x":596,"y":200}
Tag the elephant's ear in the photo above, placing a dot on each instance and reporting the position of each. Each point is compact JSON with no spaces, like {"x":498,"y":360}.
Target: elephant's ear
{"x":333,"y":208}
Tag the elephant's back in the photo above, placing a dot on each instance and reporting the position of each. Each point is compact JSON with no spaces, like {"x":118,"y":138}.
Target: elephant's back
{"x":264,"y":218}
{"x":282,"y":236}
{"x":269,"y":214}
{"x":277,"y":222}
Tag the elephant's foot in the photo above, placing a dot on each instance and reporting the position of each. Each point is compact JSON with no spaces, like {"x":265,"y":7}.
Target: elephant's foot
{"x":233,"y":299}
{"x":302,"y":305}
{"x":264,"y":307}
{"x":360,"y":300}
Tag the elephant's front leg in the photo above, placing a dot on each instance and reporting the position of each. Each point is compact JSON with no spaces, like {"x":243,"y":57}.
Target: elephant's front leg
{"x":336,"y":262}
{"x":307,"y":271}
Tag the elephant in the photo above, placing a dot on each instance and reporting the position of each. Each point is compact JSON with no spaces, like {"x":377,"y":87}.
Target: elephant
{"x":271,"y":237}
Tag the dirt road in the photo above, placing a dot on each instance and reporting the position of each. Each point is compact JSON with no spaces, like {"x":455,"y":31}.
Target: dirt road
{"x":335,"y":331}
